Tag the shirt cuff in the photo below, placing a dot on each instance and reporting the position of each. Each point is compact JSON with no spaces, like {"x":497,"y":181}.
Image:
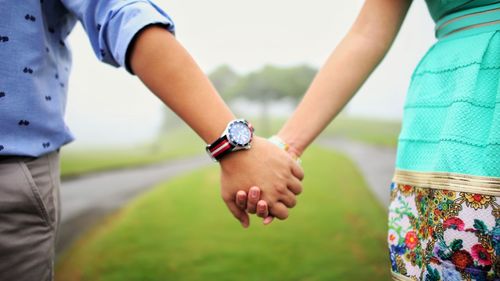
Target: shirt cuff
{"x":128,"y":22}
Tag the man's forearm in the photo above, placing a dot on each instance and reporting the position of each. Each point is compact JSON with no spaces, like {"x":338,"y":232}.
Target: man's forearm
{"x":167,"y":69}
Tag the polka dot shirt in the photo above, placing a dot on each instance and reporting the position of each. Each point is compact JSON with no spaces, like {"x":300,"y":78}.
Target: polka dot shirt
{"x":35,"y":62}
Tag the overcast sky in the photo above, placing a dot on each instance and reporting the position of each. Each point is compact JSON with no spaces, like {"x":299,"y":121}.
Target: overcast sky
{"x":108,"y":105}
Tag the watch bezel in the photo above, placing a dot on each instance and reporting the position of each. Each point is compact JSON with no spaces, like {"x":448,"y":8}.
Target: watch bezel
{"x":231,"y":140}
{"x":226,"y":144}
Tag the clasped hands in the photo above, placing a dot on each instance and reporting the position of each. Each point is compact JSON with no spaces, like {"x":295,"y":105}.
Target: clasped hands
{"x":264,"y":180}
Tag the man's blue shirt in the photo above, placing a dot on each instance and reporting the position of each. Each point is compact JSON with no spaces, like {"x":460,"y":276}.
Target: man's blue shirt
{"x":35,"y":62}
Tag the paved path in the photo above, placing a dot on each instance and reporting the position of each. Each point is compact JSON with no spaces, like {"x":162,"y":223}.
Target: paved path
{"x":375,"y":163}
{"x":88,"y":199}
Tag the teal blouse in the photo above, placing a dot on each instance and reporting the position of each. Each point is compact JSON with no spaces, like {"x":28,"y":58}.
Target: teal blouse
{"x":441,"y":8}
{"x":451,"y":118}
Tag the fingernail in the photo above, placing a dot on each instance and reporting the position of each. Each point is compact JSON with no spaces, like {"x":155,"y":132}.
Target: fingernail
{"x":268,"y":220}
{"x":253,"y":193}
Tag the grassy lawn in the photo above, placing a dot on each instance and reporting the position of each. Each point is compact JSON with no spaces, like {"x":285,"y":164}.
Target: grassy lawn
{"x":179,"y":143}
{"x":371,"y":131}
{"x":181,"y":230}
{"x":376,"y":132}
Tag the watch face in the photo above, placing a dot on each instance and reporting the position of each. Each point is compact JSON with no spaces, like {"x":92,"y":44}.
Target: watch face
{"x":239,"y":133}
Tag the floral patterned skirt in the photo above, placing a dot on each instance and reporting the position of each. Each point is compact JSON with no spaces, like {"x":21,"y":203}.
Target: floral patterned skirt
{"x":444,"y":227}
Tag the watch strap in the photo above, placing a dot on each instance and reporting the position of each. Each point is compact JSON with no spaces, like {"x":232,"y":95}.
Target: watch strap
{"x":219,"y":148}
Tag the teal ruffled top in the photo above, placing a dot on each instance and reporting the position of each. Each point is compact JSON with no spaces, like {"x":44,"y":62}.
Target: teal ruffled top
{"x":441,"y":8}
{"x":451,"y":117}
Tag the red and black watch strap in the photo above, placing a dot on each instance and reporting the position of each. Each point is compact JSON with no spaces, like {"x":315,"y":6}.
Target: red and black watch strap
{"x":219,"y":148}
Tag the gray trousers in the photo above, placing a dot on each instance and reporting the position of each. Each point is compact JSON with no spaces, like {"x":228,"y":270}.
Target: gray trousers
{"x":29,"y":217}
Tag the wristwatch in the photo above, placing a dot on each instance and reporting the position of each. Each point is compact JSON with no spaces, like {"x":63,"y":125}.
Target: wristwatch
{"x":237,"y":136}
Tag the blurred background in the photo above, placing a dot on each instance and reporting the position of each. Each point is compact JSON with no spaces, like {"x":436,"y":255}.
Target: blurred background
{"x":261,"y":56}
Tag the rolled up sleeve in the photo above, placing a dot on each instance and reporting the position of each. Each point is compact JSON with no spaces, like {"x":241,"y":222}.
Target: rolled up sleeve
{"x":112,"y":25}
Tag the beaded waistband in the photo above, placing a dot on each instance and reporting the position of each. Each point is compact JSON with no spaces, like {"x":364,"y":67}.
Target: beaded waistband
{"x":450,"y":181}
{"x":476,"y":20}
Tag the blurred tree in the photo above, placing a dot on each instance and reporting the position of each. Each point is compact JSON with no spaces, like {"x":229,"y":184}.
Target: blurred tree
{"x":224,"y":78}
{"x":268,"y":84}
{"x":273,"y":83}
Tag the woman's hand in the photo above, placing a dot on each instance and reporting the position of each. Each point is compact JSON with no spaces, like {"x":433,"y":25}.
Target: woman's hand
{"x":252,"y":203}
{"x":268,"y":167}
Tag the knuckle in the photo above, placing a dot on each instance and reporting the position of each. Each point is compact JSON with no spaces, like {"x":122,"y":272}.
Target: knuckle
{"x":270,"y":204}
{"x":281,"y":188}
{"x":283,"y":216}
{"x":280,"y":212}
{"x":298,"y":191}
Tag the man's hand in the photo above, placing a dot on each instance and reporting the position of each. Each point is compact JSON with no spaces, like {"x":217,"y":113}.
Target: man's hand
{"x":269,"y":168}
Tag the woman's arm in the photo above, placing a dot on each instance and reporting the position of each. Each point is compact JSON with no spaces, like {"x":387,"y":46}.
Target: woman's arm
{"x":351,"y":63}
{"x":345,"y":71}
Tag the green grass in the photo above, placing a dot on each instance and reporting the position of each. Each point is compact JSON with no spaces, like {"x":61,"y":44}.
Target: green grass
{"x":176,"y":144}
{"x":376,"y":132}
{"x":181,"y":230}
{"x":371,"y":131}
